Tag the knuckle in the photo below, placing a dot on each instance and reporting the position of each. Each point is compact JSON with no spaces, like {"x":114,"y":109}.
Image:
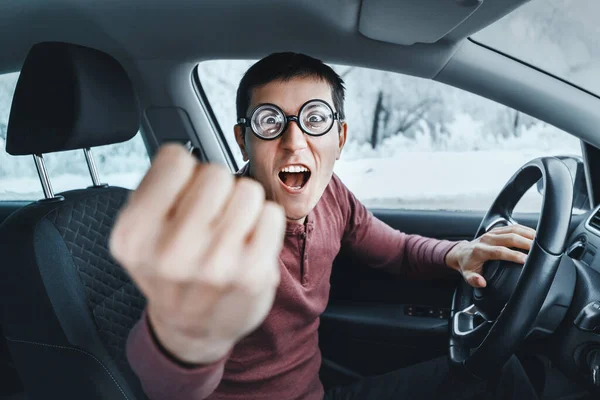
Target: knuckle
{"x":486,"y":238}
{"x":220,"y":271}
{"x":251,"y":189}
{"x":217,"y":173}
{"x":217,"y":282}
{"x":275,"y":213}
{"x":497,"y":252}
{"x":171,"y":152}
{"x":254,"y":284}
{"x":172,"y":275}
{"x":249,"y":285}
{"x":479,"y":249}
{"x":515,"y":238}
{"x":274,"y":278}
{"x":122,"y":246}
{"x":169,"y":265}
{"x":174,"y":157}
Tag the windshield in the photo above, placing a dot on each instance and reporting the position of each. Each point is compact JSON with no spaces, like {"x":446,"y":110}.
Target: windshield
{"x":561,"y":37}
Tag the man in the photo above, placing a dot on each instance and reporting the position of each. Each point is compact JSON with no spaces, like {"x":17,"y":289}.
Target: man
{"x":234,"y":289}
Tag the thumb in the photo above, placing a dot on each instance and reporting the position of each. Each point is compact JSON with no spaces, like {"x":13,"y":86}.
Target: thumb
{"x":474,"y":279}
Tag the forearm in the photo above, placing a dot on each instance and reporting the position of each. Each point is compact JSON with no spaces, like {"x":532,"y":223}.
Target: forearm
{"x":380,"y":246}
{"x":426,"y":258}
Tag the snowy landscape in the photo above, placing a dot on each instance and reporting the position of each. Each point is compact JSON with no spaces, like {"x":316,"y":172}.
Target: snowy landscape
{"x":412,"y":143}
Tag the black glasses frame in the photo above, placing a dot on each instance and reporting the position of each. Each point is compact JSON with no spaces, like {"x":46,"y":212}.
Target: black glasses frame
{"x":247,"y":121}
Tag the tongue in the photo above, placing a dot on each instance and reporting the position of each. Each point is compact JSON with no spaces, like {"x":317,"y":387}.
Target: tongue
{"x":292,"y":179}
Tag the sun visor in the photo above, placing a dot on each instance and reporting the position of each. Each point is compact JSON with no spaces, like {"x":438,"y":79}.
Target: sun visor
{"x":407,"y":22}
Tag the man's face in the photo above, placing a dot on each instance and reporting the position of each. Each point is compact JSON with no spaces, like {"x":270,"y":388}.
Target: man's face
{"x":297,"y":192}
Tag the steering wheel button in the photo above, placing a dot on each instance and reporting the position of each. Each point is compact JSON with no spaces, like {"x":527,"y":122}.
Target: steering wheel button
{"x":576,"y":250}
{"x":589,"y":318}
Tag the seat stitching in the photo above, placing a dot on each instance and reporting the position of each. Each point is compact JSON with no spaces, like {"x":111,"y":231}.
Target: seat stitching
{"x":74,"y":349}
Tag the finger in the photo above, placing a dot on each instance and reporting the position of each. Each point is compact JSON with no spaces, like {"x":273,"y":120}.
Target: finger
{"x":474,"y":279}
{"x":516,"y":228}
{"x":171,"y":171}
{"x":503,"y":254}
{"x":264,"y":247}
{"x":140,"y":221}
{"x":235,"y":224}
{"x":189,"y":232}
{"x":242,"y":212}
{"x":268,"y":233}
{"x":512,"y":240}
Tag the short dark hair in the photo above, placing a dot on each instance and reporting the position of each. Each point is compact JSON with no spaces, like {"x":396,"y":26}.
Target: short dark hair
{"x":284,"y":67}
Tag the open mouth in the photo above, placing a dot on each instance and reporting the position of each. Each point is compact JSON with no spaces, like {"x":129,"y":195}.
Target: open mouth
{"x":294,"y":177}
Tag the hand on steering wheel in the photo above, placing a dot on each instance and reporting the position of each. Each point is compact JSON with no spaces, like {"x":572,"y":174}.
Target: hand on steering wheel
{"x":468,"y":258}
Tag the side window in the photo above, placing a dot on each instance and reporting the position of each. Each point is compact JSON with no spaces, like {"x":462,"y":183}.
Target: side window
{"x":415,"y":143}
{"x":220,"y":87}
{"x":122,"y":164}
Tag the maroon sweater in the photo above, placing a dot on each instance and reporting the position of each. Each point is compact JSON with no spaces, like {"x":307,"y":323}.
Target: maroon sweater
{"x":281,"y":359}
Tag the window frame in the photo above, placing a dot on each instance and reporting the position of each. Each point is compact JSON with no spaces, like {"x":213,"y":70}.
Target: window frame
{"x":212,"y":118}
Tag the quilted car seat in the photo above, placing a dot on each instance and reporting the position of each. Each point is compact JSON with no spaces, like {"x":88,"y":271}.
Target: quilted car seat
{"x":66,"y":306}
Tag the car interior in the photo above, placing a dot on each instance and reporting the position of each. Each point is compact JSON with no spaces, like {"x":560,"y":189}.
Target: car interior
{"x":93,"y":74}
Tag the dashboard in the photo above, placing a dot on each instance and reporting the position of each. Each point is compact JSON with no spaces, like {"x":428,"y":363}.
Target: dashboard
{"x":575,"y":344}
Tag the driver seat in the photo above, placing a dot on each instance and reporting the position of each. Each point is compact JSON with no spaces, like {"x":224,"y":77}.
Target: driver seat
{"x":66,"y":306}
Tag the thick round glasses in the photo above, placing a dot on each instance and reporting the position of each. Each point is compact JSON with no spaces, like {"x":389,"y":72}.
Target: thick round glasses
{"x":268,"y":121}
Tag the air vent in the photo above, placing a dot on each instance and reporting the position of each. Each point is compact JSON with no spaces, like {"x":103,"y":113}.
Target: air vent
{"x":594,"y":221}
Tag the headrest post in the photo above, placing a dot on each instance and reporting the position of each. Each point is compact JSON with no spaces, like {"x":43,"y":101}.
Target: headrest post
{"x":43,"y":174}
{"x":92,"y":167}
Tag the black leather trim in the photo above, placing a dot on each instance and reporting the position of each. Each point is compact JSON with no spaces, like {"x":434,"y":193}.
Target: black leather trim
{"x":75,"y":349}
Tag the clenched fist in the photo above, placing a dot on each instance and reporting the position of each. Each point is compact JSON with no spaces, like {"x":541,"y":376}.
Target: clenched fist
{"x":203,"y":247}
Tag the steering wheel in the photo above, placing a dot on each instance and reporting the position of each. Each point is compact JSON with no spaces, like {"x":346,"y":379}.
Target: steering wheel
{"x":488,"y":324}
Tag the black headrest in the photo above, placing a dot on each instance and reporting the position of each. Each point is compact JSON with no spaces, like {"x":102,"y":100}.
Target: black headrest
{"x":70,"y":97}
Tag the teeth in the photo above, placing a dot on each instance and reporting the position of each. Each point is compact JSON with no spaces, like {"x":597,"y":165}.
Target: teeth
{"x":294,"y":169}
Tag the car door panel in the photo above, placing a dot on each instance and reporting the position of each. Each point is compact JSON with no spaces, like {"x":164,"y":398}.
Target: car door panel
{"x":377,"y":322}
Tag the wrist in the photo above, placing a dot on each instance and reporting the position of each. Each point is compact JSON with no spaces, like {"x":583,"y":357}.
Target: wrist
{"x":187,"y":351}
{"x":453,"y":255}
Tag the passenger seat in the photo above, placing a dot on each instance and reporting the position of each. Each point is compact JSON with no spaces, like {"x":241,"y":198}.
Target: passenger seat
{"x":66,"y":306}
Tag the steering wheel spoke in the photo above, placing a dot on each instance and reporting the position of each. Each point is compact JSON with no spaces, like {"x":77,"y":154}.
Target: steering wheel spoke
{"x":470,"y":326}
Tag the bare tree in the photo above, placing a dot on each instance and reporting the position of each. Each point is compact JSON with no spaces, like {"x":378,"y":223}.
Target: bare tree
{"x":345,"y":73}
{"x":414,"y":114}
{"x":378,"y":117}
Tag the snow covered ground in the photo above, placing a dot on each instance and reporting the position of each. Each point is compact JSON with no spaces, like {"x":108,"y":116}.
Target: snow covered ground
{"x":468,"y":175}
{"x":436,"y":180}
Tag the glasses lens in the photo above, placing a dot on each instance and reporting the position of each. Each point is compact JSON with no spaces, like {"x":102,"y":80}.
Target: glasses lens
{"x":316,"y":118}
{"x":267,"y":121}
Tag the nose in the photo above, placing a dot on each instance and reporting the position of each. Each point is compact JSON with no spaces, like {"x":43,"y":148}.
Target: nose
{"x":293,"y":139}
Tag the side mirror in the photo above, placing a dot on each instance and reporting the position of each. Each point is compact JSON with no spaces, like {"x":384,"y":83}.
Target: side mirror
{"x":581,"y":199}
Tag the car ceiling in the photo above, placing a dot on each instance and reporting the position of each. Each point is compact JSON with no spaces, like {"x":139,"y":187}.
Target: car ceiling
{"x":160,"y":41}
{"x":187,"y":30}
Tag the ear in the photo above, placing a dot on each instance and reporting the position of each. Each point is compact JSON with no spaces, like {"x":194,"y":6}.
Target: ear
{"x":342,"y":139}
{"x":238,"y":131}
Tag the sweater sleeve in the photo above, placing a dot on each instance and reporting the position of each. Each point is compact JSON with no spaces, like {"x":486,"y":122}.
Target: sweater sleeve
{"x":161,"y":376}
{"x":378,"y":245}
